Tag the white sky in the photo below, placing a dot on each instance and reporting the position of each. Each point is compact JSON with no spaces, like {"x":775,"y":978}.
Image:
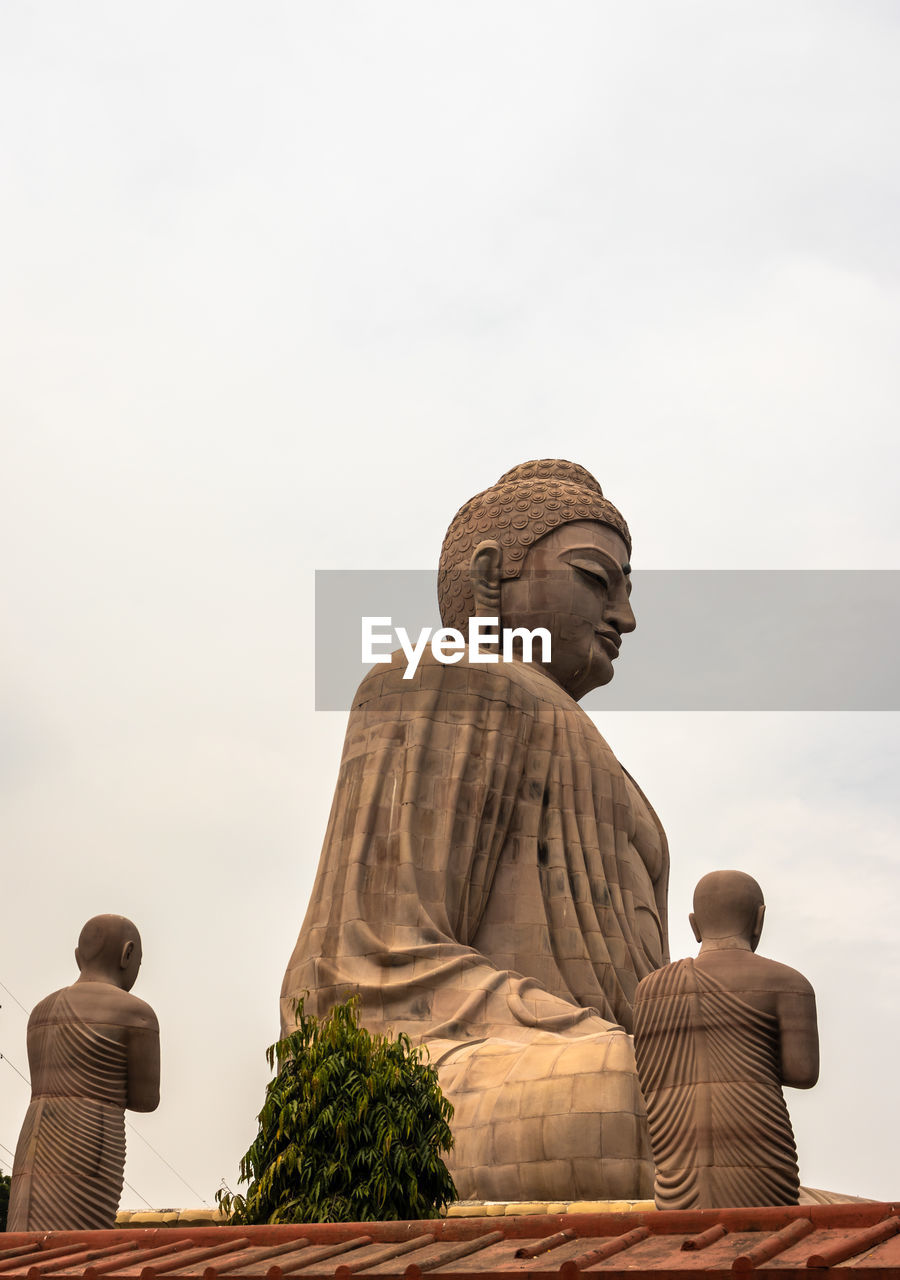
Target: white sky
{"x":283,"y":285}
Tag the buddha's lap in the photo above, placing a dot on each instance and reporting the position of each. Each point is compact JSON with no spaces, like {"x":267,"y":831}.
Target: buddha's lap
{"x":551,"y":1117}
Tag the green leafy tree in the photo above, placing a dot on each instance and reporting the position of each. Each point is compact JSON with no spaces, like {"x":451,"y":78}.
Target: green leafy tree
{"x":352,"y":1129}
{"x":5,"y":1180}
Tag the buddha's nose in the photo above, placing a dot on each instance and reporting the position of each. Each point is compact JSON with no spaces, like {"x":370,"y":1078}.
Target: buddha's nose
{"x":621,"y":614}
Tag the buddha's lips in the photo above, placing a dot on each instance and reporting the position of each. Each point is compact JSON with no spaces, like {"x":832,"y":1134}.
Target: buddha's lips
{"x":611,"y":642}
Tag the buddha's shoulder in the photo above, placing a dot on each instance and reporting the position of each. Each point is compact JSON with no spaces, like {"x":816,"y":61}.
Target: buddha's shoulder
{"x":662,"y":981}
{"x":46,"y":1011}
{"x":99,"y":1003}
{"x":516,"y":684}
{"x":778,"y":977}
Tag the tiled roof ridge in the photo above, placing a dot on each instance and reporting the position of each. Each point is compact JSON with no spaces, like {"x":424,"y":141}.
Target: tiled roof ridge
{"x":466,"y":1209}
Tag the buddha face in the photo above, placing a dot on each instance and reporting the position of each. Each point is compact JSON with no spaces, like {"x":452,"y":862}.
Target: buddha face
{"x":575,"y":582}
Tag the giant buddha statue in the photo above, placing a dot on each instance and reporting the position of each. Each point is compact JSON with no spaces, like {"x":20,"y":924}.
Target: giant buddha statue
{"x":493,"y":882}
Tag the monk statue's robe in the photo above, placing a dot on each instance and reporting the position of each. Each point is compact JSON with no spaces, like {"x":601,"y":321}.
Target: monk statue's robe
{"x":70,"y":1158}
{"x":493,"y":883}
{"x":710,"y":1071}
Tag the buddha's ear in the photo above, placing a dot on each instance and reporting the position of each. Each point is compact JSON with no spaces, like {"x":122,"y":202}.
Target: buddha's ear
{"x":78,"y":960}
{"x":484,"y":572}
{"x":695,"y":928}
{"x":127,"y":951}
{"x":757,"y":926}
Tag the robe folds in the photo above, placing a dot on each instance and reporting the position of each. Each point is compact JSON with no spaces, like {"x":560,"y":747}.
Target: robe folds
{"x":70,"y":1158}
{"x":489,"y":869}
{"x":709,"y":1066}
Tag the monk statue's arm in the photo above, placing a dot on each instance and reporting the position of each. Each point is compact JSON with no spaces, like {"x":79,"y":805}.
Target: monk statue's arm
{"x":143,"y":1063}
{"x":799,"y":1029}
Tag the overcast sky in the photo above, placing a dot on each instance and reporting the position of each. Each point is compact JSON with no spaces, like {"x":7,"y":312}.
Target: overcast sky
{"x":283,"y":284}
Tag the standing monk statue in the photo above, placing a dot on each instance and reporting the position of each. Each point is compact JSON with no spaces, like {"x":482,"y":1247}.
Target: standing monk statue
{"x":716,"y":1038}
{"x":492,"y":881}
{"x":93,"y":1050}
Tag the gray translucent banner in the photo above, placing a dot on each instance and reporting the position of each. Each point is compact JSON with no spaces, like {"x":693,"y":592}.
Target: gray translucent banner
{"x":706,"y":640}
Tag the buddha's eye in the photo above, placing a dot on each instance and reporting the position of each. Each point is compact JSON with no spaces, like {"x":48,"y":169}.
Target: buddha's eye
{"x":592,"y":571}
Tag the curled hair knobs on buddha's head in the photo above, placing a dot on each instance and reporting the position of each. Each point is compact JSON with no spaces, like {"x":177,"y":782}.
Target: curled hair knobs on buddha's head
{"x":526,"y":502}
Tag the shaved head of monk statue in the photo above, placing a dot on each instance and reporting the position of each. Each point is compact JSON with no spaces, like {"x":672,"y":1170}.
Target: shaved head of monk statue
{"x":93,"y":1051}
{"x":493,"y":882}
{"x":716,"y":1038}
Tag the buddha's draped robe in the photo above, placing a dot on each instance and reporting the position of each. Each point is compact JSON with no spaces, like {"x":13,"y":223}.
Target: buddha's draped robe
{"x":70,"y":1158}
{"x":490,"y":877}
{"x":709,"y":1069}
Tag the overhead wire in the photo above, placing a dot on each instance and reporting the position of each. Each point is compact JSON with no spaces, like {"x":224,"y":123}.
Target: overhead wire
{"x":138,"y":1194}
{"x":160,"y":1156}
{"x":9,"y":1062}
{"x":14,"y":997}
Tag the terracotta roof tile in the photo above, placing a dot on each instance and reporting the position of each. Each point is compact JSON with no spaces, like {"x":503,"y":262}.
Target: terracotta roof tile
{"x":803,"y":1240}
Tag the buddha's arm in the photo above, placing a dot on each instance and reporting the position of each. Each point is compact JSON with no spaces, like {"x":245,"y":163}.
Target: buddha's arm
{"x":143,"y":1064}
{"x":796,"y":1011}
{"x":658,"y":870}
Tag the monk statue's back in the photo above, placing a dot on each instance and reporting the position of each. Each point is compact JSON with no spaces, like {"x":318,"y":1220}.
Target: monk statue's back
{"x":492,"y":881}
{"x":93,"y":1051}
{"x":716,"y":1037}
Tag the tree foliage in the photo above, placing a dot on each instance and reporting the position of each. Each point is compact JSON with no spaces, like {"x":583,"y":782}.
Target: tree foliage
{"x":352,"y":1129}
{"x":5,"y":1181}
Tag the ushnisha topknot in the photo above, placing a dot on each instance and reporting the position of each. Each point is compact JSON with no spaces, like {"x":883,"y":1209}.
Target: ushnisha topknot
{"x":525,"y":503}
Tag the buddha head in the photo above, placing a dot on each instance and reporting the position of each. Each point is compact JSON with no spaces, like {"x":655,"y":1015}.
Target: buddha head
{"x":544,"y":548}
{"x":728,"y":911}
{"x":109,"y":950}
